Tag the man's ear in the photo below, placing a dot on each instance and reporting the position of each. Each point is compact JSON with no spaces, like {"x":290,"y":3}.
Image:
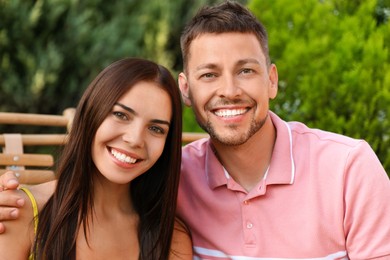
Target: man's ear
{"x":184,"y":88}
{"x":273,"y":81}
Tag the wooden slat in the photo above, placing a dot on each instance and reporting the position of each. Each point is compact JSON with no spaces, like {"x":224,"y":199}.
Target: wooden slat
{"x":56,"y":120}
{"x":40,"y":139}
{"x":32,"y":119}
{"x":60,"y":139}
{"x":190,"y":137}
{"x":69,"y":115}
{"x":26,"y":159}
{"x":33,"y":176}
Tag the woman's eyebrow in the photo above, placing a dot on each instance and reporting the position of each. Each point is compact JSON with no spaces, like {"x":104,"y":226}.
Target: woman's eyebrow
{"x":130,"y":110}
{"x":126,"y":108}
{"x":158,"y":121}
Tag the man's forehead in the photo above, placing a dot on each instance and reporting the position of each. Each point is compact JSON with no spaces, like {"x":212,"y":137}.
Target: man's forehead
{"x":213,"y":51}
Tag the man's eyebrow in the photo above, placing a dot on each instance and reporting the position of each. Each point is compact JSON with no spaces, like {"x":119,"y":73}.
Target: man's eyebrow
{"x":239,"y":63}
{"x":130,"y":110}
{"x":206,"y":66}
{"x":249,"y":60}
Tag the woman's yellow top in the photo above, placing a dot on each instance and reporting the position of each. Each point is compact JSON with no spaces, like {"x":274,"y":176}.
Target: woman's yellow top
{"x":35,"y":211}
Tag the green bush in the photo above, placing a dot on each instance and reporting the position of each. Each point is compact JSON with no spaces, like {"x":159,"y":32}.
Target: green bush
{"x":51,"y":49}
{"x":333,"y":63}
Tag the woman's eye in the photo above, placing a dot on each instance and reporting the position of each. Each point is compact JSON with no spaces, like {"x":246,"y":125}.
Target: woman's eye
{"x":157,"y":130}
{"x":120,"y":115}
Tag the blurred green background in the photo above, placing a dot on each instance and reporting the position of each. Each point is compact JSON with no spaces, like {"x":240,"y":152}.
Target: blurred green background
{"x":332,"y":55}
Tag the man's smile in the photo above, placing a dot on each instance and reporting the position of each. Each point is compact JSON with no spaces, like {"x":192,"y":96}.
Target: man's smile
{"x":230,"y":112}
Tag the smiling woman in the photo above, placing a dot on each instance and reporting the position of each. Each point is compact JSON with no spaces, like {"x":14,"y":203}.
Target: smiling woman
{"x":119,"y":169}
{"x":132,"y":137}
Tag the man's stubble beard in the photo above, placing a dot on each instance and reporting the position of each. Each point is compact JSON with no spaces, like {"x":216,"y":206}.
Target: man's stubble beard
{"x":233,"y":139}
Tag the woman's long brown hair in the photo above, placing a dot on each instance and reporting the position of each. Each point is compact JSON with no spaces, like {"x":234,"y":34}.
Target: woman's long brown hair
{"x":153,"y":193}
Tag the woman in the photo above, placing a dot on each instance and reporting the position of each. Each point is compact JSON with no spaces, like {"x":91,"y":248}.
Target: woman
{"x":117,"y":176}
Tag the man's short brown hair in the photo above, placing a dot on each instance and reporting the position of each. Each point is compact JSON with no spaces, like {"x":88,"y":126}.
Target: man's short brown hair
{"x":223,"y":18}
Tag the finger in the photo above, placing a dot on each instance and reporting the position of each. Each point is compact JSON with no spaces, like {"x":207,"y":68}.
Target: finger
{"x":2,"y":228}
{"x":8,"y":214}
{"x":9,"y":181}
{"x":10,"y":198}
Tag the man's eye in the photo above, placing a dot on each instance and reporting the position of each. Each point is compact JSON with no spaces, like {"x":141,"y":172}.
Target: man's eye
{"x":208,"y":75}
{"x":246,"y":71}
{"x":157,"y":129}
{"x":120,"y":115}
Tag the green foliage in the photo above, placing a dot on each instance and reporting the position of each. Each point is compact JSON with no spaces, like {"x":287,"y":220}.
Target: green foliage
{"x":332,"y":55}
{"x":51,"y":49}
{"x":334,"y":65}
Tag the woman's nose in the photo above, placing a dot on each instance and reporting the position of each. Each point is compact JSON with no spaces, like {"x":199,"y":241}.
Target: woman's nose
{"x":134,"y":136}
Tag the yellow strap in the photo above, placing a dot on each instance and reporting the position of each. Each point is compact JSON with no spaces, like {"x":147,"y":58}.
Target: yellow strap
{"x":34,"y":206}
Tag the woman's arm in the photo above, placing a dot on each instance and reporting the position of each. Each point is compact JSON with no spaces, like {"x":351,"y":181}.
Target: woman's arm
{"x":17,"y":241}
{"x":181,"y":247}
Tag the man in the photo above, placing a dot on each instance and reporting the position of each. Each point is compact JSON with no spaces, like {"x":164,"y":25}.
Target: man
{"x":262,"y":188}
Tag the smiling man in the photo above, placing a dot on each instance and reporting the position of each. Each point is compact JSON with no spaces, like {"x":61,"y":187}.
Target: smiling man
{"x":260,"y":187}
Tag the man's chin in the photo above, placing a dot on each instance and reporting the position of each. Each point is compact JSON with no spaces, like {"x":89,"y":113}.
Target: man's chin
{"x":229,"y":138}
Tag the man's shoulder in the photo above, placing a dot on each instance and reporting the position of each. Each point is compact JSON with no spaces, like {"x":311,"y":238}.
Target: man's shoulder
{"x":301,"y":134}
{"x":301,"y":131}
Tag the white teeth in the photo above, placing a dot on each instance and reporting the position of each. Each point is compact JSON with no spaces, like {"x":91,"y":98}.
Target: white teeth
{"x":123,"y":157}
{"x":229,"y":112}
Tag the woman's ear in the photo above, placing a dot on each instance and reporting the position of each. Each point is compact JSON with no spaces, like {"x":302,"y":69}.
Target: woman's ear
{"x":184,"y":88}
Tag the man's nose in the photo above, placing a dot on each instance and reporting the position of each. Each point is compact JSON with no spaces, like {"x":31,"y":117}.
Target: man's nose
{"x":229,"y":87}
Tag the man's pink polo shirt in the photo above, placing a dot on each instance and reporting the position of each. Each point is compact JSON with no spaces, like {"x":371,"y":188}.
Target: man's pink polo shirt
{"x":325,"y":196}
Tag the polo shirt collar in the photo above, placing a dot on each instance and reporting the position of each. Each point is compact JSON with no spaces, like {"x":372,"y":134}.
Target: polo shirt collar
{"x":214,"y":170}
{"x":282,"y":166}
{"x":281,"y":169}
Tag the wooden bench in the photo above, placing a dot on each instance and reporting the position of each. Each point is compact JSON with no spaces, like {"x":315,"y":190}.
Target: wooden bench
{"x":34,"y":168}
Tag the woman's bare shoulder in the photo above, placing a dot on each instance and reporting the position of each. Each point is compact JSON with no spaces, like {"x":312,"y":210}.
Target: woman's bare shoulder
{"x":181,"y":247}
{"x":16,"y":242}
{"x":42,"y":192}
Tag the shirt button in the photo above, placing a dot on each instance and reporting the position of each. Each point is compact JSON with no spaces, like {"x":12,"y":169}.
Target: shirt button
{"x":246,"y":202}
{"x":249,"y":225}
